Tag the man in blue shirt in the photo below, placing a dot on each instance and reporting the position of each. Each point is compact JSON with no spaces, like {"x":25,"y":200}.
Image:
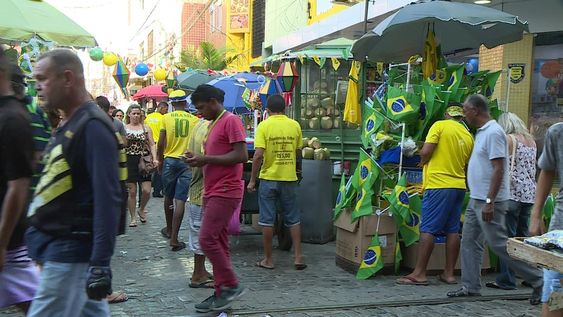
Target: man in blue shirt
{"x":75,"y":209}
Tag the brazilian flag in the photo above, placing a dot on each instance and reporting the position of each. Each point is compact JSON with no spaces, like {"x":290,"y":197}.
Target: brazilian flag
{"x":409,"y":228}
{"x":488,"y":86}
{"x":379,"y":96}
{"x":340,"y":198}
{"x":372,"y":261}
{"x":364,"y":171}
{"x":402,"y":105}
{"x":398,"y":255}
{"x":363,"y":203}
{"x":372,"y":121}
{"x":455,"y":76}
{"x":399,"y":199}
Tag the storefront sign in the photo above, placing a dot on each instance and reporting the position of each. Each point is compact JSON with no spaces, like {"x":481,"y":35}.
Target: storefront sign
{"x":516,"y":72}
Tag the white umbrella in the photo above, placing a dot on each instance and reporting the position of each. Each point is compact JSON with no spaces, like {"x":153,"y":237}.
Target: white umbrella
{"x":457,"y":26}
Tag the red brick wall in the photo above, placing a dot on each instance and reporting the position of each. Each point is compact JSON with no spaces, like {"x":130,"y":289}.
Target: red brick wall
{"x":198,"y":31}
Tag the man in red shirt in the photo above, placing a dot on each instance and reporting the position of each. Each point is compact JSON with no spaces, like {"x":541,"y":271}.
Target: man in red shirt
{"x":224,"y":151}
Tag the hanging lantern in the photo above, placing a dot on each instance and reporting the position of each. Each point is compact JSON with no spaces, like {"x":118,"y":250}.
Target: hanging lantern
{"x":270,"y":87}
{"x":287,"y":76}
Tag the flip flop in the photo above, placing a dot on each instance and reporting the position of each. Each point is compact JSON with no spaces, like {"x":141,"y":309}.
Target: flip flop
{"x":164,"y":233}
{"x":133,"y":224}
{"x":496,"y":286}
{"x":143,"y":219}
{"x":259,"y":264}
{"x":117,"y":297}
{"x":300,"y":266}
{"x":407,"y":280}
{"x":205,"y":284}
{"x":443,"y":280}
{"x":178,"y":247}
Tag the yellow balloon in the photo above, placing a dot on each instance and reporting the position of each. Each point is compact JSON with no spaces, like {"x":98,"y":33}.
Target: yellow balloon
{"x":110,"y":59}
{"x":159,"y":74}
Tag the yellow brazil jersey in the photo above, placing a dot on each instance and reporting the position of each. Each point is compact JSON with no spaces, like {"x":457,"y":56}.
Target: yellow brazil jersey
{"x":446,"y":168}
{"x":280,"y":137}
{"x":178,"y":126}
{"x":154,"y":121}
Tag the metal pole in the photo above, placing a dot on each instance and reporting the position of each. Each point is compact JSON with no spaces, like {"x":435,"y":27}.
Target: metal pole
{"x":507,"y":91}
{"x":366,"y":16}
{"x":408,"y":76}
{"x":401,"y":157}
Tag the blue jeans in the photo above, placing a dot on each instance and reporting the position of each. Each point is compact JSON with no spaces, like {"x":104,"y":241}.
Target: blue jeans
{"x":157,"y":182}
{"x":176,"y":177}
{"x":62,"y":293}
{"x":517,"y":218}
{"x":269,"y":192}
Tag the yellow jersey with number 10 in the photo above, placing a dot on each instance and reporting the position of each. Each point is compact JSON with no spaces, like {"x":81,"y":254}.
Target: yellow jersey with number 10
{"x":178,"y":125}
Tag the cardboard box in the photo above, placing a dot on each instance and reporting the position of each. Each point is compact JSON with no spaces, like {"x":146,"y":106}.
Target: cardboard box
{"x":353,"y":238}
{"x":437,"y":259}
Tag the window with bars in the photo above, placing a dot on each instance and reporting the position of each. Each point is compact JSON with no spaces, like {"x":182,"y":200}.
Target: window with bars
{"x":258,"y":26}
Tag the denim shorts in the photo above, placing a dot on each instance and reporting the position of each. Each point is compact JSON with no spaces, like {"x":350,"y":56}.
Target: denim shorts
{"x":269,"y":193}
{"x":176,"y":177}
{"x":441,"y":210}
{"x":551,"y":284}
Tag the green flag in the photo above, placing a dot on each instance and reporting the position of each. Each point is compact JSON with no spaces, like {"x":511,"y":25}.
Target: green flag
{"x":340,"y":197}
{"x":372,"y":261}
{"x":398,"y":255}
{"x":455,"y":77}
{"x":401,"y":105}
{"x":246,"y":98}
{"x":372,"y":121}
{"x":365,"y":175}
{"x":399,"y":199}
{"x":410,"y":227}
{"x":488,"y":86}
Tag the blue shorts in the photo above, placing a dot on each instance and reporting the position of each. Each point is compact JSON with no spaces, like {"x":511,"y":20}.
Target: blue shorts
{"x":551,"y":284}
{"x":441,"y":210}
{"x":269,"y":193}
{"x":176,"y":177}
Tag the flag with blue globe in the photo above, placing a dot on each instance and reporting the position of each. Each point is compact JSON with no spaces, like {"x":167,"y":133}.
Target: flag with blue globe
{"x":372,"y":261}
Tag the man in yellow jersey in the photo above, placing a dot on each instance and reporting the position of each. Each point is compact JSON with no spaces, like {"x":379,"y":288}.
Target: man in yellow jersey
{"x":445,"y":156}
{"x":154,"y":121}
{"x":176,"y":174}
{"x":277,"y":148}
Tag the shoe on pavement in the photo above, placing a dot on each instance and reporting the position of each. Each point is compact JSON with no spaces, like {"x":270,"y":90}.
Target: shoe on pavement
{"x":205,"y":306}
{"x":536,"y":296}
{"x":463,"y":291}
{"x":227,"y":297}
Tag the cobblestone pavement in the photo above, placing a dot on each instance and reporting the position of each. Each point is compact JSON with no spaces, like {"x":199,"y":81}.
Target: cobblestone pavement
{"x":156,"y":280}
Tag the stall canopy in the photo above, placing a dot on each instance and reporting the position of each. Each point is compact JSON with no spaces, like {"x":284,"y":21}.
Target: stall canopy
{"x":151,"y":92}
{"x":21,"y":20}
{"x":457,"y":26}
{"x":339,"y":48}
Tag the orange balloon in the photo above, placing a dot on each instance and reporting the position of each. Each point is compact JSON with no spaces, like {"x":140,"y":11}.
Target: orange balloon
{"x":550,"y":69}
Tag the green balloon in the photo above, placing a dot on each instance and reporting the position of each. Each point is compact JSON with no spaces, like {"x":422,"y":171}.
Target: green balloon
{"x":96,"y":54}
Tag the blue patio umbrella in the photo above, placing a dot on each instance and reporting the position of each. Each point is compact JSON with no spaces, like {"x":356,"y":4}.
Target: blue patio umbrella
{"x":234,"y":86}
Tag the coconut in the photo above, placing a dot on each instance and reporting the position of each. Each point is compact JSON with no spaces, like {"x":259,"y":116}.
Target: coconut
{"x":309,"y":113}
{"x":305,"y":141}
{"x":326,"y":122}
{"x":320,"y":154}
{"x":308,"y":153}
{"x":327,"y":102}
{"x":314,"y":123}
{"x":321,"y":112}
{"x":336,"y":124}
{"x":314,"y":143}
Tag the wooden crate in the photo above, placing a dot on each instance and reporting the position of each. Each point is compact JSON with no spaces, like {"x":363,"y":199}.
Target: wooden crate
{"x":539,"y":257}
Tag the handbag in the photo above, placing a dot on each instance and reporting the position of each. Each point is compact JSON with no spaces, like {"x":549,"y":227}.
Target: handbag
{"x":146,"y":162}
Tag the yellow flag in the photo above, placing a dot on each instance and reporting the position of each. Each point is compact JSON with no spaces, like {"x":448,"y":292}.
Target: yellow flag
{"x":301,"y":58}
{"x":319,"y":60}
{"x":379,"y":66}
{"x":430,"y":58}
{"x":335,"y":63}
{"x":352,"y":109}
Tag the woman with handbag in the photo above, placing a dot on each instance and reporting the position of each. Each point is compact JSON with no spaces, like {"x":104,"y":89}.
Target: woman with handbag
{"x":141,"y":162}
{"x":522,"y":177}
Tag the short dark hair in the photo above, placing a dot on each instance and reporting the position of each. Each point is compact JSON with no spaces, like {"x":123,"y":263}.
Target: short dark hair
{"x":103,"y":102}
{"x":479,"y":102}
{"x":275,"y":103}
{"x":64,"y":59}
{"x":162,"y":104}
{"x":204,"y":93}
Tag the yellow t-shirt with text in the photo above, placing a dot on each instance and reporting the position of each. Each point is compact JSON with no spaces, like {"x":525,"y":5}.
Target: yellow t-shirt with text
{"x":178,"y":125}
{"x":154,"y":121}
{"x":446,"y":167}
{"x":280,"y":137}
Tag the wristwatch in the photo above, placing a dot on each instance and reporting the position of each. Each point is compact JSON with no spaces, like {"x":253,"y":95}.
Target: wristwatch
{"x":488,"y":200}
